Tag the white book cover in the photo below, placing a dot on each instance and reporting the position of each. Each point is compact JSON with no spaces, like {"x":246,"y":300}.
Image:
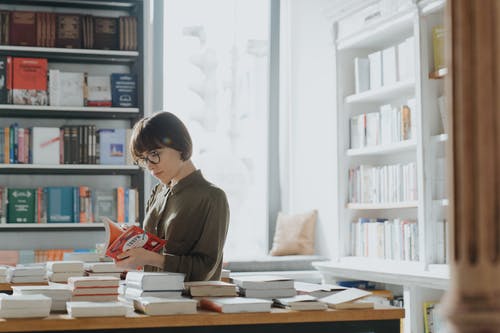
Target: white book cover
{"x":102,"y":267}
{"x":372,"y":129}
{"x":54,"y":88}
{"x":355,"y":135}
{"x":46,"y":145}
{"x":269,"y":293}
{"x":211,"y":288}
{"x":361,"y":130}
{"x":155,"y":306}
{"x":134,"y":293}
{"x":389,"y":66}
{"x":361,"y":74}
{"x":411,"y":57}
{"x":26,"y":271}
{"x":99,"y":91}
{"x":24,"y":302}
{"x":65,"y":266}
{"x":375,"y":69}
{"x":344,"y":296}
{"x":93,"y":281}
{"x":95,"y":291}
{"x":385,"y":124}
{"x":235,"y":304}
{"x":71,"y":89}
{"x":155,"y":280}
{"x":300,"y":303}
{"x":62,"y":276}
{"x":37,"y":312}
{"x":96,"y":309}
{"x":54,"y":291}
{"x":263,"y":282}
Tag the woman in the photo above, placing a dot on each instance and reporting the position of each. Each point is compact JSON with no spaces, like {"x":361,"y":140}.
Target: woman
{"x":190,"y":213}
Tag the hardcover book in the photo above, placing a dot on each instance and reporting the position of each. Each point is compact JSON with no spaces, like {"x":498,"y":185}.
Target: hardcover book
{"x":60,"y":204}
{"x":22,"y":28}
{"x":29,"y":82}
{"x":123,"y":90}
{"x":69,"y":31}
{"x":106,"y":33}
{"x":21,"y":207}
{"x":263,"y":282}
{"x":3,"y":80}
{"x":98,"y":91}
{"x":112,"y":146}
{"x":45,"y":145}
{"x":119,"y":240}
{"x":211,"y":288}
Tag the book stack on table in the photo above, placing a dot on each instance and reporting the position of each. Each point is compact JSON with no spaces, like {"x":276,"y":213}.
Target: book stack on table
{"x":265,"y":286}
{"x":24,"y":306}
{"x":94,"y":288}
{"x":155,"y":284}
{"x":58,"y":292}
{"x":27,"y":274}
{"x":60,"y":271}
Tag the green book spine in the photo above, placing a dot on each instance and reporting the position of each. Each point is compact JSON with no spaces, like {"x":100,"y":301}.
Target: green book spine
{"x":21,"y":205}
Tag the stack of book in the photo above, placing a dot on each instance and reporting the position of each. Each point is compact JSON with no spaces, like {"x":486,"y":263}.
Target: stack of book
{"x":103,"y":268}
{"x":351,"y":298}
{"x":3,"y":273}
{"x":300,"y":303}
{"x":265,"y":286}
{"x":156,"y":284}
{"x":157,"y":306}
{"x":225,"y":275}
{"x":96,"y":309}
{"x":94,"y":288}
{"x":24,"y":306}
{"x":27,"y":274}
{"x":59,"y":293}
{"x":60,"y":271}
{"x":235,"y":304}
{"x":210,"y":288}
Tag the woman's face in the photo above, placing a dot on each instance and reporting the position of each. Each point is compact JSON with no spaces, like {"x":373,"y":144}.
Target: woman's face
{"x":163,"y":163}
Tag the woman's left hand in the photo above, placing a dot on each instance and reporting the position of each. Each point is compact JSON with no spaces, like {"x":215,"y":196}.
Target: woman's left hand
{"x":137,"y":257}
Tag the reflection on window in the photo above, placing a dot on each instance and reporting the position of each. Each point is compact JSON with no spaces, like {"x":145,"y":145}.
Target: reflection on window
{"x":216,"y":80}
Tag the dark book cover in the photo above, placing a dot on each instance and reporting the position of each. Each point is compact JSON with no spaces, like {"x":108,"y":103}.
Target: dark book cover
{"x":21,"y":205}
{"x":4,"y":27}
{"x":69,"y":31}
{"x":124,"y":90}
{"x":3,"y":80}
{"x":23,"y":28}
{"x":60,"y":207}
{"x":106,"y":33}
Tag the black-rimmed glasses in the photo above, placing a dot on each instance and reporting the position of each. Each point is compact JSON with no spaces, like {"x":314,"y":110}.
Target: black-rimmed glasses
{"x":152,"y":157}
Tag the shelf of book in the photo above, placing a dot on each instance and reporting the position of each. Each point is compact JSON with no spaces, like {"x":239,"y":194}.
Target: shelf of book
{"x":11,"y":110}
{"x":50,"y":226}
{"x":383,"y":94}
{"x":384,"y":271}
{"x":68,"y":169}
{"x":380,"y":32}
{"x":383,"y":149}
{"x":381,"y":206}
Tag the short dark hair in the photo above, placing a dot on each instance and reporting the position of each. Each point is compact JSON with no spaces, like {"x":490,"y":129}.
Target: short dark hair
{"x":162,"y":129}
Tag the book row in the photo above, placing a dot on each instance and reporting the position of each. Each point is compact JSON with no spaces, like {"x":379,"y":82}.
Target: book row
{"x":29,"y":82}
{"x":386,"y":239}
{"x":74,"y":144}
{"x":14,"y":257}
{"x":68,"y":30}
{"x":385,"y":67}
{"x":389,"y":125}
{"x":383,"y":184}
{"x":68,"y":204}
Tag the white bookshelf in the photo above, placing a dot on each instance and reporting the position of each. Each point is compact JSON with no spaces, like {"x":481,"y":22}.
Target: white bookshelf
{"x":423,"y":279}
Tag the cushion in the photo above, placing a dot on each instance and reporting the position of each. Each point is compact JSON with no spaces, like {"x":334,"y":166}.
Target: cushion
{"x":294,"y":234}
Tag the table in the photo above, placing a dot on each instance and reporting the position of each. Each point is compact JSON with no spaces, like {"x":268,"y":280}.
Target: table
{"x":382,"y":319}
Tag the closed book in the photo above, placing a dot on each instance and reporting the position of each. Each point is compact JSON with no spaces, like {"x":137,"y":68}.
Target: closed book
{"x":28,"y":279}
{"x":155,"y":280}
{"x":235,"y":304}
{"x":352,"y":305}
{"x":268,"y":293}
{"x":98,"y":91}
{"x":155,"y":306}
{"x":263,"y":282}
{"x":375,"y":69}
{"x":65,"y":266}
{"x":112,"y":146}
{"x":60,"y":204}
{"x":45,"y":145}
{"x":361,"y":74}
{"x":69,"y":31}
{"x":134,"y":293}
{"x":106,"y":33}
{"x":18,"y":271}
{"x":96,"y":309}
{"x":95,"y":297}
{"x":300,"y":303}
{"x":211,"y":288}
{"x":389,"y":66}
{"x":105,"y":204}
{"x":65,"y":88}
{"x":3,"y":80}
{"x":438,"y":42}
{"x":93,"y":281}
{"x":62,"y":276}
{"x":123,"y":90}
{"x":21,"y":207}
{"x":102,"y":267}
{"x":29,"y":81}
{"x":23,"y":28}
{"x":57,"y":291}
{"x":95,"y":291}
{"x":345,"y":296}
{"x":24,"y":306}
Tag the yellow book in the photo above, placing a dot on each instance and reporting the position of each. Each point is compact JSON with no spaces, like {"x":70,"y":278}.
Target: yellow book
{"x":438,"y":34}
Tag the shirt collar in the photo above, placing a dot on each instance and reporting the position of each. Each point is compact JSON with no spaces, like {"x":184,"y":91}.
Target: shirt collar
{"x":190,"y":179}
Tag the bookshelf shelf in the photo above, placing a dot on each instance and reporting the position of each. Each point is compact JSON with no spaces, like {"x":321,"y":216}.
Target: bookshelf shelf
{"x":441,"y":202}
{"x":383,"y":94}
{"x":377,"y":206}
{"x":50,"y":226}
{"x":385,"y":149}
{"x":10,"y":110}
{"x":68,"y":169}
{"x":440,"y":138}
{"x":380,"y":32}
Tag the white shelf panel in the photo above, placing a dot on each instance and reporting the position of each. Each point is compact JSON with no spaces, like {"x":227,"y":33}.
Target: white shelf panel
{"x":385,"y":93}
{"x":379,"y":33}
{"x":50,"y":225}
{"x":68,"y":51}
{"x":383,"y":149}
{"x":68,"y":108}
{"x":441,"y":202}
{"x":69,"y":166}
{"x":376,"y":206}
{"x":385,"y":271}
{"x":433,"y":6}
{"x":440,"y":138}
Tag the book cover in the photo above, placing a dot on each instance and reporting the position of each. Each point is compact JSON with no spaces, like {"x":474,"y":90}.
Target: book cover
{"x":211,"y":288}
{"x":156,"y":306}
{"x":65,"y":88}
{"x":133,"y":293}
{"x":300,"y":303}
{"x":60,"y":204}
{"x":22,"y":28}
{"x":69,"y":31}
{"x":438,"y":35}
{"x":21,"y":207}
{"x":155,"y":281}
{"x":45,"y":145}
{"x":96,"y":309}
{"x":123,"y":90}
{"x":106,"y":33}
{"x":98,"y":91}
{"x":264,"y":282}
{"x":29,"y":82}
{"x":119,"y":240}
{"x":345,"y":296}
{"x":235,"y":304}
{"x":112,"y":146}
{"x":104,"y":204}
{"x":3,"y":80}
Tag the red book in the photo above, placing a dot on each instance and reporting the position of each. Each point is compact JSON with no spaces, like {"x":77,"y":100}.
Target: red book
{"x":119,"y":240}
{"x":29,"y":82}
{"x":23,"y":28}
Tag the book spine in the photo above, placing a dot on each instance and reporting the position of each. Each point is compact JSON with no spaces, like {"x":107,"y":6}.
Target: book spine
{"x":120,"y":204}
{"x":209,"y":305}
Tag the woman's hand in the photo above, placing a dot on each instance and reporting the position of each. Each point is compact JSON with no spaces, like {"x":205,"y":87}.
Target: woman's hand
{"x":137,"y":257}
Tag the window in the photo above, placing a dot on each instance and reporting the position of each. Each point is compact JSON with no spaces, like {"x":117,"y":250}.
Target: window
{"x":217,"y":81}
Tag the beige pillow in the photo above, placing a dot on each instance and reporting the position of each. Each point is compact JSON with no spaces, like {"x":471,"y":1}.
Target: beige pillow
{"x":294,"y":234}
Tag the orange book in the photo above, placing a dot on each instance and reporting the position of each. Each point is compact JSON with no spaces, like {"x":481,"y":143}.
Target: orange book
{"x":120,"y":205}
{"x":29,"y":82}
{"x":119,"y":240}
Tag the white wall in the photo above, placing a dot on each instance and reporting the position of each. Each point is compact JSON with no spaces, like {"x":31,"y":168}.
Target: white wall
{"x":313,"y":138}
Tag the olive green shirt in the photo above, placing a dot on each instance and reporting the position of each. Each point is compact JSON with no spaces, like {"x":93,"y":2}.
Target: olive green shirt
{"x":193,"y":217}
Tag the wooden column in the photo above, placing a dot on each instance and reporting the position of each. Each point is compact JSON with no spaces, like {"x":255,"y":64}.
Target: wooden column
{"x":473,"y":103}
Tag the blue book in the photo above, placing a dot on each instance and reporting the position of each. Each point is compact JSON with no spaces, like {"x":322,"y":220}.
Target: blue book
{"x":112,"y":146}
{"x":124,"y":90}
{"x":60,"y":204}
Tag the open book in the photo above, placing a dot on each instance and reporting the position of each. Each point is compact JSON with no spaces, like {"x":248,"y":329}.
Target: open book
{"x":119,"y":240}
